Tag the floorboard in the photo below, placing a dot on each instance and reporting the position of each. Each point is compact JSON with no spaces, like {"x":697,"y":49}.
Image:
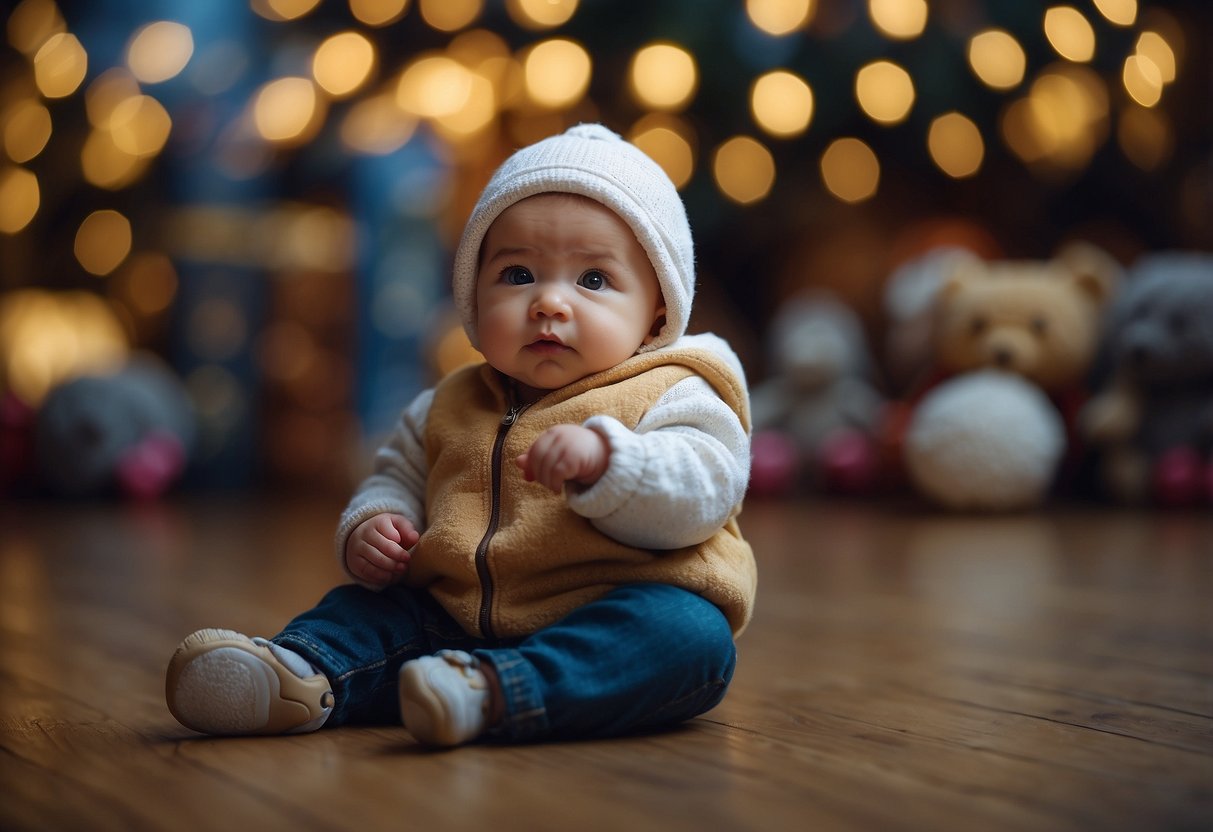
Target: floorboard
{"x":905,"y":669}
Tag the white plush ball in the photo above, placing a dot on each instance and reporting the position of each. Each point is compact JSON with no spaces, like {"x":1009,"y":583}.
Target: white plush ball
{"x":985,"y":440}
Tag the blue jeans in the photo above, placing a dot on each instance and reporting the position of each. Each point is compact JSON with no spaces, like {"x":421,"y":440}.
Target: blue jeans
{"x":640,"y":657}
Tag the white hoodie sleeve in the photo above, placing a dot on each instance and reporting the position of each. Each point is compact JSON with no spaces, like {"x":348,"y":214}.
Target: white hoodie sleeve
{"x":397,"y":485}
{"x":677,"y":478}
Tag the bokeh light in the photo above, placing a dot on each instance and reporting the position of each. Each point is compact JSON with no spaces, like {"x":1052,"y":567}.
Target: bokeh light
{"x":478,"y":110}
{"x":884,"y":91}
{"x":663,"y":76}
{"x":1118,"y":12}
{"x":744,"y":170}
{"x":377,"y":126}
{"x":433,"y":86}
{"x":290,"y":237}
{"x":20,"y":198}
{"x":1142,"y":80}
{"x":343,"y":63}
{"x":287,"y":110}
{"x":781,"y":103}
{"x":1154,"y":47}
{"x":668,"y":140}
{"x":282,"y":10}
{"x":997,"y":59}
{"x":780,"y":17}
{"x":60,"y":65}
{"x":850,"y":170}
{"x":103,"y":241}
{"x":487,"y":54}
{"x":556,"y":73}
{"x":478,"y":48}
{"x":1061,"y":122}
{"x":899,"y":19}
{"x":1146,"y":137}
{"x":159,"y":51}
{"x":450,"y":15}
{"x":1070,"y":33}
{"x":108,"y":166}
{"x":106,"y":92}
{"x":32,"y":23}
{"x":49,"y":337}
{"x":139,"y":126}
{"x":147,"y":283}
{"x":378,"y":12}
{"x":541,"y":14}
{"x":310,"y":237}
{"x":956,"y":145}
{"x":27,"y":129}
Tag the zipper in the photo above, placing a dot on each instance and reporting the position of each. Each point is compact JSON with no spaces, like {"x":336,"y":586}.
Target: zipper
{"x":482,"y":551}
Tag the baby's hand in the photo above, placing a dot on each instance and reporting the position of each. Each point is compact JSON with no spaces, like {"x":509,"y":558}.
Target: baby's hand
{"x":565,"y":453}
{"x":377,"y":551}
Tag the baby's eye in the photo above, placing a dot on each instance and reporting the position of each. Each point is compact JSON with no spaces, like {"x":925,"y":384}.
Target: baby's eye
{"x":978,"y":325}
{"x":1040,"y":325}
{"x":517,"y":276}
{"x":593,"y":280}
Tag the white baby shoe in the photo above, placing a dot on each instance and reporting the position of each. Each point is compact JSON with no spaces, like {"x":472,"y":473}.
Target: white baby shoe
{"x":444,"y":698}
{"x":222,"y":682}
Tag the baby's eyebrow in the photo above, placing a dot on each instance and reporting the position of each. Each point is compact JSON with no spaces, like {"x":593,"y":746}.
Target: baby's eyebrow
{"x":598,"y":256}
{"x":509,"y":251}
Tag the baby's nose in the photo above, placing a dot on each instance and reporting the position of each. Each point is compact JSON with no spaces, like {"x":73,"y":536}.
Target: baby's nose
{"x":550,"y":302}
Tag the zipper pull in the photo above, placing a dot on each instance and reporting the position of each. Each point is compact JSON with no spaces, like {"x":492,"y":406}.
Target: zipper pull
{"x":511,"y":416}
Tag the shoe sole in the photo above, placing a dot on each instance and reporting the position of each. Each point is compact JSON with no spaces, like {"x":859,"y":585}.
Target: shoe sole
{"x":221,"y":682}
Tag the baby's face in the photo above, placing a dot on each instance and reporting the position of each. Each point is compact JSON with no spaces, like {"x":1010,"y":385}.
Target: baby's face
{"x":564,"y":290}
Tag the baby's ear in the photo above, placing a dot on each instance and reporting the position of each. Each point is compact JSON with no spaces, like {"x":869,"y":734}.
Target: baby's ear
{"x":658,"y":323}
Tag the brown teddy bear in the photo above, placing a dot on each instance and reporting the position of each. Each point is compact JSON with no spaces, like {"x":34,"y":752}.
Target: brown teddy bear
{"x":1029,"y":331}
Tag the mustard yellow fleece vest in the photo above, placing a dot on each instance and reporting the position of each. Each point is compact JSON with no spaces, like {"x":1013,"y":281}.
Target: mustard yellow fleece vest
{"x":506,"y":557}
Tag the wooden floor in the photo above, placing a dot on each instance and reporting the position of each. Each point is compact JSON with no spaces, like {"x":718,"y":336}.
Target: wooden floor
{"x":904,"y":670}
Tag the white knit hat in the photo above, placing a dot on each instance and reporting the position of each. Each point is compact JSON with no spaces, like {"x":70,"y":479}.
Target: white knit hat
{"x":594,"y":162}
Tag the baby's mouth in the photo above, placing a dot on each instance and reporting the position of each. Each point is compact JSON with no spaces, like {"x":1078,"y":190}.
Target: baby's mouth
{"x":547,"y":344}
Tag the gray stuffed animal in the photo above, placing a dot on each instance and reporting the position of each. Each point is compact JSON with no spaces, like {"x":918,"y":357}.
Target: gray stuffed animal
{"x":1152,"y":419}
{"x":815,"y":417}
{"x":130,"y":432}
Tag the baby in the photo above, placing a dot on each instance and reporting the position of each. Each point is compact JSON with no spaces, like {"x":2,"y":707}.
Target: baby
{"x":548,"y":545}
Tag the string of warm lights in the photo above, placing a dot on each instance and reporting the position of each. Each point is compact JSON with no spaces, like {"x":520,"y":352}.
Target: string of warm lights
{"x":480,"y":83}
{"x":464,"y":90}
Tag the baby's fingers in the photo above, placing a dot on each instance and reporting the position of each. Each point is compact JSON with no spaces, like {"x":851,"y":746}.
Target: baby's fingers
{"x":523,"y":461}
{"x":554,"y":469}
{"x":407,"y":531}
{"x":370,"y":573}
{"x":374,"y":556}
{"x":384,"y":545}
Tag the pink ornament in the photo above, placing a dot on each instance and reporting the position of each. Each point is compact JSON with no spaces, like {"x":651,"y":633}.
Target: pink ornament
{"x":146,"y":470}
{"x":850,"y":462}
{"x":774,"y":464}
{"x":1179,"y":478}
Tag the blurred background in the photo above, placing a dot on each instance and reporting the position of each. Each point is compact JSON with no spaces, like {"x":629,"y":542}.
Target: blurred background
{"x":264,"y":195}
